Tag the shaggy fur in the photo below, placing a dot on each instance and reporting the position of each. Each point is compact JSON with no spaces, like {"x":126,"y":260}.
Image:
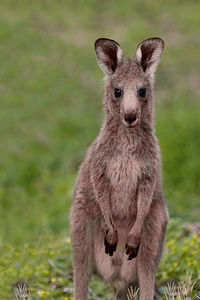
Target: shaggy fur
{"x":118,"y":216}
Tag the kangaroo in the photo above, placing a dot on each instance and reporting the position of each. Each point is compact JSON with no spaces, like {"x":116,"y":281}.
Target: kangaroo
{"x":118,"y":216}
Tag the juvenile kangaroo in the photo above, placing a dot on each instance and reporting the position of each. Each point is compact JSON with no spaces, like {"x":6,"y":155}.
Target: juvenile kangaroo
{"x":118,"y":216}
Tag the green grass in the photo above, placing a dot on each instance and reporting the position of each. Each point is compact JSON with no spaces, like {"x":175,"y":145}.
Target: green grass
{"x":45,"y":266}
{"x":51,"y":104}
{"x":177,"y":127}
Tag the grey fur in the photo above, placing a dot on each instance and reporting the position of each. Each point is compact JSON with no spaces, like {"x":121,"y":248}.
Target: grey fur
{"x":118,"y":204}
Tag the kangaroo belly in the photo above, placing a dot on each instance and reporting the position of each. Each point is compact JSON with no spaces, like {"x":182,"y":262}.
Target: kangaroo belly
{"x":116,"y":269}
{"x":123,"y":206}
{"x":123,"y":173}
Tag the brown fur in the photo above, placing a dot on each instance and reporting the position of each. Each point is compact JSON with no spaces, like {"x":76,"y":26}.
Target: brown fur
{"x":118,"y":204}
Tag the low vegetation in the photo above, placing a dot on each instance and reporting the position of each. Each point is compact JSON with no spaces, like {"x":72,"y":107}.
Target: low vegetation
{"x":45,"y":267}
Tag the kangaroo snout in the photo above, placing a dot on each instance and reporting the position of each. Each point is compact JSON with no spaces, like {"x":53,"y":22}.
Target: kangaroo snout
{"x":130,"y":119}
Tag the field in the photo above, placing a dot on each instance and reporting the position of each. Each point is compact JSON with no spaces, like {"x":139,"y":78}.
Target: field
{"x":51,"y":110}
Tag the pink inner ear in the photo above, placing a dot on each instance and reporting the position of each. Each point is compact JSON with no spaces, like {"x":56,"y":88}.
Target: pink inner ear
{"x":110,"y":56}
{"x":147,"y":52}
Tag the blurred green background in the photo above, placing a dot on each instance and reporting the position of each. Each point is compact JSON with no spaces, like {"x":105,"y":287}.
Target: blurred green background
{"x":51,"y":103}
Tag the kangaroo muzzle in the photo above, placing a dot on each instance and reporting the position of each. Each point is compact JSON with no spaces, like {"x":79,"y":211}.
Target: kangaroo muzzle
{"x":130,"y":119}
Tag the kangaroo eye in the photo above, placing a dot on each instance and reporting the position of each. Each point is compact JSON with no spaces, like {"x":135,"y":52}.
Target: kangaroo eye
{"x":117,"y":93}
{"x":142,"y":93}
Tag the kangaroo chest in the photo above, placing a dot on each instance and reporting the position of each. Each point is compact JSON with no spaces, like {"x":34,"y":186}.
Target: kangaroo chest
{"x":123,"y":172}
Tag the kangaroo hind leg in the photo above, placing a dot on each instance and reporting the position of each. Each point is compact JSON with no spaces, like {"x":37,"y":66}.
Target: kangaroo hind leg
{"x":82,"y":251}
{"x":151,"y":249}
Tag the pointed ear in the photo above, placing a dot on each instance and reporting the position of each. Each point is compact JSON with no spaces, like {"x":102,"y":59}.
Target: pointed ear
{"x":148,"y":54}
{"x":109,"y":55}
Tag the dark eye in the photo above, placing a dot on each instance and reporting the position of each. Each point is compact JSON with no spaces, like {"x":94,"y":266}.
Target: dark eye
{"x":117,"y":93}
{"x":142,"y":93}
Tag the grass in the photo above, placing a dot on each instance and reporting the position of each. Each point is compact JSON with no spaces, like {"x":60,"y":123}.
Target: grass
{"x":51,"y":90}
{"x":45,"y":266}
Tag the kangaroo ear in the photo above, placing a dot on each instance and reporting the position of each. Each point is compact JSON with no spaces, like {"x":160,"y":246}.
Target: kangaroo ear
{"x":109,"y":55}
{"x":148,"y":54}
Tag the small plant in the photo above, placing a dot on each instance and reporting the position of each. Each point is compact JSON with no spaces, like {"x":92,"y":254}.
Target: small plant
{"x":184,"y":290}
{"x":132,"y":293}
{"x":22,"y":291}
{"x":197,"y":296}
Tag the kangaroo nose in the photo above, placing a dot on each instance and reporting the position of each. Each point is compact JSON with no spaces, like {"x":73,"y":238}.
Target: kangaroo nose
{"x":130,"y":118}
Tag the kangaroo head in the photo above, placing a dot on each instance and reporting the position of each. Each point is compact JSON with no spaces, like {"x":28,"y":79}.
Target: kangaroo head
{"x":129,"y":83}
